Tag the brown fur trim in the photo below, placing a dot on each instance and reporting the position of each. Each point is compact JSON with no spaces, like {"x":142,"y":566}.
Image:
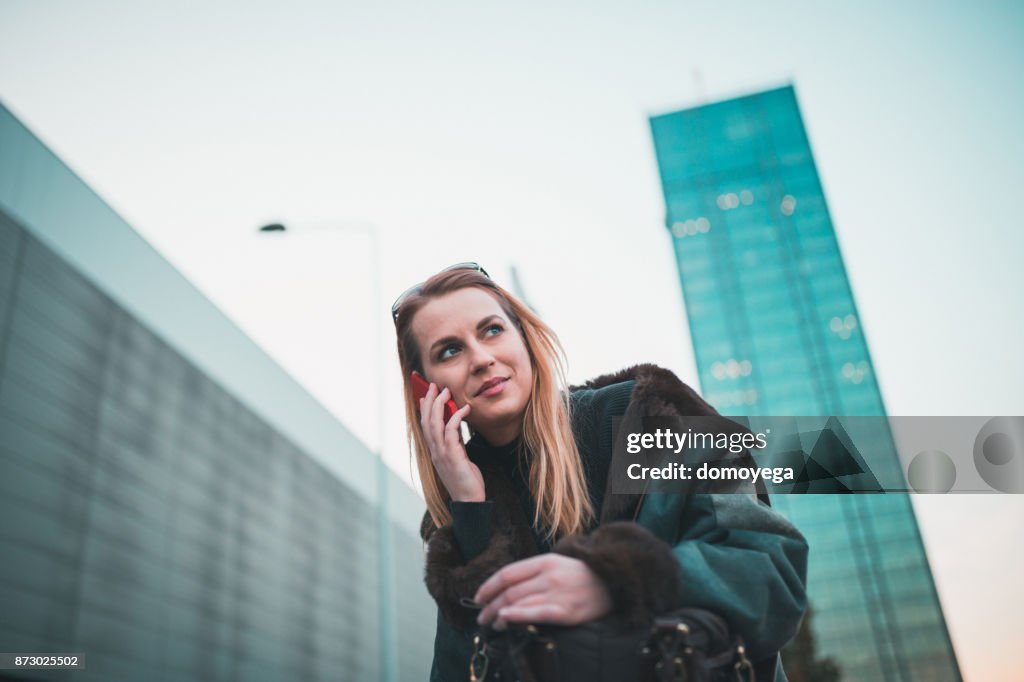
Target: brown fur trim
{"x":658,"y":392}
{"x":450,"y":578}
{"x":638,"y":569}
{"x":427,"y":526}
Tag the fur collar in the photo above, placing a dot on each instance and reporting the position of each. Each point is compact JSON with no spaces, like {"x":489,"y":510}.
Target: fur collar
{"x":657,"y":393}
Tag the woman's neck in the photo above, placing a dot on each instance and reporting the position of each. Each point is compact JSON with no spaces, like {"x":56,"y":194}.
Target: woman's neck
{"x":501,"y":435}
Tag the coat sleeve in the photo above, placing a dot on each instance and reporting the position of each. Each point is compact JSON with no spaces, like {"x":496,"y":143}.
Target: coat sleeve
{"x":638,"y":569}
{"x":451,"y":578}
{"x":461,"y":556}
{"x":737,"y":557}
{"x":728,"y":553}
{"x":471,"y":526}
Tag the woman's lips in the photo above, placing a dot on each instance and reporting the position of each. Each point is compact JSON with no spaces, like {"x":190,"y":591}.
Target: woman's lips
{"x":494,"y":390}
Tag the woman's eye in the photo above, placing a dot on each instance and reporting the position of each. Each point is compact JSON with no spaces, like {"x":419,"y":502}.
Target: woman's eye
{"x":494,"y":330}
{"x":447,"y":352}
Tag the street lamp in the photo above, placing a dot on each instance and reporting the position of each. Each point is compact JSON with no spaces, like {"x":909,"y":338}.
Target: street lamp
{"x":387,"y":614}
{"x":372,"y":233}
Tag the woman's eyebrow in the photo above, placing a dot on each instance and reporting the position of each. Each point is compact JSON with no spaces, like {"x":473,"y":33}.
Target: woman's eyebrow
{"x":479,"y":325}
{"x":487,"y":320}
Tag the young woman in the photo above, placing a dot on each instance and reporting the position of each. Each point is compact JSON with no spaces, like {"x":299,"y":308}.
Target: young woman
{"x":521,"y":519}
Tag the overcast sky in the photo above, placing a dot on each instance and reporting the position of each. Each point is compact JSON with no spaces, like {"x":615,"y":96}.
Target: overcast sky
{"x":519,"y":136}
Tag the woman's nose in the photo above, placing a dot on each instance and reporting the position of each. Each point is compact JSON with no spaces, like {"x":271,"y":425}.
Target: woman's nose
{"x":480,"y":357}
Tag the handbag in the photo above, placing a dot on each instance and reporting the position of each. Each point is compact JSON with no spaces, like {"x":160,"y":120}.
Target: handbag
{"x":684,"y":645}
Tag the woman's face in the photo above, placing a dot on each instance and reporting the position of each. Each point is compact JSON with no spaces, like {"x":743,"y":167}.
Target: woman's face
{"x":469,"y":345}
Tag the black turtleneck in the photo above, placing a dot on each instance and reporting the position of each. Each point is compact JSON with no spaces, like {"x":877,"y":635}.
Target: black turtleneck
{"x":471,"y":521}
{"x":592,"y":409}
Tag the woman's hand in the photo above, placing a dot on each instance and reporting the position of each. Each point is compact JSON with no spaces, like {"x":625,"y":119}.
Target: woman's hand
{"x":460,"y":476}
{"x":550,"y":588}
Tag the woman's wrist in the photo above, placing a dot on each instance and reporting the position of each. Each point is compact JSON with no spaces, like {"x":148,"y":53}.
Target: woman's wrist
{"x":468,"y":488}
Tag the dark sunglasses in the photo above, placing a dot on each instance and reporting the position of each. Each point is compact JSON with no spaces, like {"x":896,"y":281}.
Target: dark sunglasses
{"x":416,"y":287}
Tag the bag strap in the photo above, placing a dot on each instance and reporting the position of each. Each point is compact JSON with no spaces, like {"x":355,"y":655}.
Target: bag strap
{"x":640,"y":502}
{"x":671,"y":639}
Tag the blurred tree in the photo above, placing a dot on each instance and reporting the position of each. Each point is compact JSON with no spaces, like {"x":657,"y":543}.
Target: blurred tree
{"x":800,"y":660}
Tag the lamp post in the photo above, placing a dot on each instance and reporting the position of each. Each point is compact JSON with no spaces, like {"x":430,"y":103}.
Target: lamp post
{"x":387,"y":611}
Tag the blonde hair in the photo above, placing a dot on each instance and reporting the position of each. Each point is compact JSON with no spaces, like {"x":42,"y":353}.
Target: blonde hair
{"x":556,"y":477}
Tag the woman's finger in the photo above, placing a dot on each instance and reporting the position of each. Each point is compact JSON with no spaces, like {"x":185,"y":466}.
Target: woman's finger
{"x":433,"y":418}
{"x":490,"y":612}
{"x":538,"y":585}
{"x":533,"y":600}
{"x":451,"y":429}
{"x":425,"y":404}
{"x":510,"y":575}
{"x":545,"y":612}
{"x":515,"y":595}
{"x":437,"y":414}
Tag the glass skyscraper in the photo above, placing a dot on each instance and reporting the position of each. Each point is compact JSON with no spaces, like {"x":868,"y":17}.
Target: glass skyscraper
{"x":776,"y":332}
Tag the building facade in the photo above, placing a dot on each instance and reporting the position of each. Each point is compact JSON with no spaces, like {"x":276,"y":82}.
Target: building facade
{"x":172,"y":504}
{"x":775,"y":332}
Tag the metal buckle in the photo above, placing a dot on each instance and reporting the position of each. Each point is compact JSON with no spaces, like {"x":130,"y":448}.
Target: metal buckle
{"x":479,"y":651}
{"x":743,"y":664}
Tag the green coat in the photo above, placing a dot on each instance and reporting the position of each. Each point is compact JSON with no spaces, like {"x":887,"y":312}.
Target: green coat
{"x":726,"y":552}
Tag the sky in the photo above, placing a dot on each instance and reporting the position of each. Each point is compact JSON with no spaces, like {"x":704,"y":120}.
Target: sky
{"x":519,"y":136}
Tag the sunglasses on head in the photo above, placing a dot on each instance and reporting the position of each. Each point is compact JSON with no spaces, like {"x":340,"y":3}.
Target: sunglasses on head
{"x":416,"y":287}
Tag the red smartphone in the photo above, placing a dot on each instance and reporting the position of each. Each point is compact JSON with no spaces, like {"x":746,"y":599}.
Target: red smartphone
{"x":419,"y":390}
